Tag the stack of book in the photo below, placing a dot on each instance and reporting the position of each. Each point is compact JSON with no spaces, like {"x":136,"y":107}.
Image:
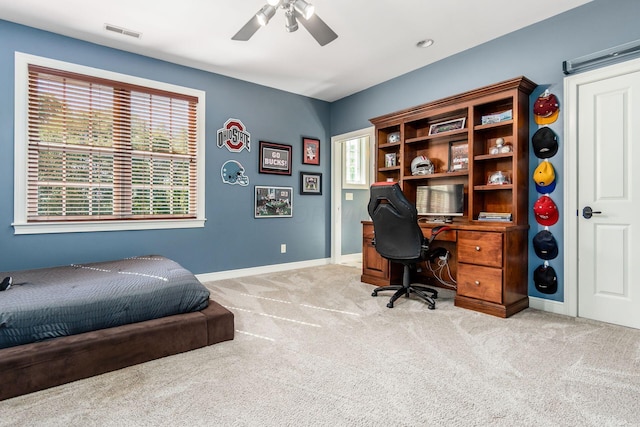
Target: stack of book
{"x":494,"y":216}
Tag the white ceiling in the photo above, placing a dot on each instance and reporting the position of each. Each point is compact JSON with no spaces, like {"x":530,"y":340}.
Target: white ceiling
{"x":376,"y":38}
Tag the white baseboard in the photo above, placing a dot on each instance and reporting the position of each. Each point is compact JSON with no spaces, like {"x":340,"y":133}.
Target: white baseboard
{"x":242,"y":272}
{"x":551,"y":306}
{"x":351,"y":258}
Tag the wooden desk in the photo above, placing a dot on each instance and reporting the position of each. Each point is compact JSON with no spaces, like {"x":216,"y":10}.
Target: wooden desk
{"x":489,"y":262}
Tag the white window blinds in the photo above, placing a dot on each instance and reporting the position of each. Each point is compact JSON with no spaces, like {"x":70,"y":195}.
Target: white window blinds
{"x":104,"y":150}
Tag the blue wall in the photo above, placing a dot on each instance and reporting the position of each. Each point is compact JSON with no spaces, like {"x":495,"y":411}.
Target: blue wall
{"x":536,"y":52}
{"x":232,"y":238}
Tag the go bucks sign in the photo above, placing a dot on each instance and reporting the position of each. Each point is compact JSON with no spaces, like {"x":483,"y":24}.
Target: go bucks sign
{"x":234,"y":136}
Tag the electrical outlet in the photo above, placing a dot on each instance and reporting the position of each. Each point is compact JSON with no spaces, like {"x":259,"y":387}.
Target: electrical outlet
{"x":283,"y":248}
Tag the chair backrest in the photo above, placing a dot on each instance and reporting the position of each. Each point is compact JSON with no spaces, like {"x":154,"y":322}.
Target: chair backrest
{"x":395,"y":223}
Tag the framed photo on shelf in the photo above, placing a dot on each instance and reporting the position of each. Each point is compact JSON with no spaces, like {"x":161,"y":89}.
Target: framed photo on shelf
{"x":447,"y":126}
{"x":310,"y":151}
{"x":273,"y":202}
{"x":311,"y":183}
{"x":390,"y":160}
{"x":458,"y":156}
{"x":275,"y":158}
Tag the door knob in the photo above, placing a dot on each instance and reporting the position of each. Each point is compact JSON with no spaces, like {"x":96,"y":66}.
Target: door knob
{"x":587,"y":212}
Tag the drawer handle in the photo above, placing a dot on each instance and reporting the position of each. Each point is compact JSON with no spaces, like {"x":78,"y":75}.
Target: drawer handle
{"x":478,"y":248}
{"x":477,"y":282}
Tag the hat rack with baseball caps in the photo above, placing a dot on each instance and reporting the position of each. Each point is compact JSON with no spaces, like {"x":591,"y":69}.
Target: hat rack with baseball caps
{"x":546,"y":110}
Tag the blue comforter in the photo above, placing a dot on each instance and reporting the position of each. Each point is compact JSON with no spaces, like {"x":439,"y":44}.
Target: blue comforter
{"x":53,"y":302}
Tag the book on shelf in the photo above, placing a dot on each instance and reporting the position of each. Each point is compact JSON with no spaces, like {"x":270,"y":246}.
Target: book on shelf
{"x":494,"y":216}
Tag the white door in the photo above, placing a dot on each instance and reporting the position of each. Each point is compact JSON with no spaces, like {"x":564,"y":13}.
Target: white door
{"x":608,"y":183}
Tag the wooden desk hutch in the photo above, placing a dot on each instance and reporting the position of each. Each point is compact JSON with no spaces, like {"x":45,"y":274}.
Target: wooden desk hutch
{"x":488,"y":258}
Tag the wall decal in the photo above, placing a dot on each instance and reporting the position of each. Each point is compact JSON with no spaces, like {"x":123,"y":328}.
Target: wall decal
{"x":234,"y":136}
{"x":233,"y":173}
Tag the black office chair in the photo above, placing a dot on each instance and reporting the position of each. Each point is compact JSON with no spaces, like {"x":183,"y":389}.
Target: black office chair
{"x":398,"y":238}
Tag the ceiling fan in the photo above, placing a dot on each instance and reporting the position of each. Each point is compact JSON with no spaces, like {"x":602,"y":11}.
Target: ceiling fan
{"x":295,"y":11}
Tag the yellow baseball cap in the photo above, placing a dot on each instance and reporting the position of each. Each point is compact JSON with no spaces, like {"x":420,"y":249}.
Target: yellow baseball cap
{"x":544,"y":173}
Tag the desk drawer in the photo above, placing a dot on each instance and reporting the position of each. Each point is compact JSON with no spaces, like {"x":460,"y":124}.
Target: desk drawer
{"x":480,"y":247}
{"x":483,"y":283}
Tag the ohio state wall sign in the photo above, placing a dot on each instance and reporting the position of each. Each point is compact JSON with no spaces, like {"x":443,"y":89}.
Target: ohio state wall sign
{"x":234,"y":136}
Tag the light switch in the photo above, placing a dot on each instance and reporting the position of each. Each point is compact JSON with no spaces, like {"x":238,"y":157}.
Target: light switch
{"x":348,"y":196}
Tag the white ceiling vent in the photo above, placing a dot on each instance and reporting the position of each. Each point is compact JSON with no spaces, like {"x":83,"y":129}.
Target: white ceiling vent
{"x":122,"y":31}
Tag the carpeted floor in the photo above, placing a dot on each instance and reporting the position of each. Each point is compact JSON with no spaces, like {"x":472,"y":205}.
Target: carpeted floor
{"x":313,"y":348}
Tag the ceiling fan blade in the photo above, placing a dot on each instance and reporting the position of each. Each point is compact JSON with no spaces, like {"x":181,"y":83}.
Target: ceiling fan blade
{"x":318,"y":29}
{"x":248,"y":30}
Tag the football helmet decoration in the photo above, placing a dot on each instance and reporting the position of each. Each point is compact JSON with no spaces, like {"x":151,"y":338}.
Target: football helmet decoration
{"x":498,"y":177}
{"x":421,"y":165}
{"x":233,"y":173}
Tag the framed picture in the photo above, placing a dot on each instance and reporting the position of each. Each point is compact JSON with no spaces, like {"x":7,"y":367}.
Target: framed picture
{"x":389,"y":160}
{"x":458,"y":156}
{"x":310,"y":183}
{"x":310,"y":151}
{"x":275,"y":158}
{"x":273,"y":202}
{"x":448,"y":126}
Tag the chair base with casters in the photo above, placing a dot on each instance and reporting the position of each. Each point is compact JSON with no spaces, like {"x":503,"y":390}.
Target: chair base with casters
{"x":407,"y":288}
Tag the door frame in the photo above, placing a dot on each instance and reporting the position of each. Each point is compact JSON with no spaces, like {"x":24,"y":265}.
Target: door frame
{"x":336,"y":185}
{"x":571,"y":208}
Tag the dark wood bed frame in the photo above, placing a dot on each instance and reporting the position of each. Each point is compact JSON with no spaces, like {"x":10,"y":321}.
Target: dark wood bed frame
{"x":37,"y":366}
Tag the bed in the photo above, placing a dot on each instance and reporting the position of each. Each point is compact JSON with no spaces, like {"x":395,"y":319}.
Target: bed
{"x":62,"y":324}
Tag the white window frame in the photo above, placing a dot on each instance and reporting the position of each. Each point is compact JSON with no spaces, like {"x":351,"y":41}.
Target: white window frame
{"x":363,"y":179}
{"x":20,"y":224}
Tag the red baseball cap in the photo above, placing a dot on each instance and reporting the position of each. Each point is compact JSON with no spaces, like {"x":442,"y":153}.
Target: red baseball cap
{"x":546,"y":109}
{"x":546,"y":211}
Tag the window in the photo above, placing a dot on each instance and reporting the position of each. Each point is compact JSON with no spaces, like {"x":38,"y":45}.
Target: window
{"x":102,"y":151}
{"x":355,"y":174}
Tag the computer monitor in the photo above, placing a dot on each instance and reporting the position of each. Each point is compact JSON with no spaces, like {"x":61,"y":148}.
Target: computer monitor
{"x":440,"y":202}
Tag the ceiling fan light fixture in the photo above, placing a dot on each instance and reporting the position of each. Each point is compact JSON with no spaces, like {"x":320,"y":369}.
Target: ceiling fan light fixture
{"x":265,"y":14}
{"x":303,"y":8}
{"x":291,"y":23}
{"x":296,"y":12}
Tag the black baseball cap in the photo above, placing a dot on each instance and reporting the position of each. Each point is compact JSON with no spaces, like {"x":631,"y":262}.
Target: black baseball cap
{"x":545,"y":279}
{"x":545,"y":143}
{"x":545,"y":245}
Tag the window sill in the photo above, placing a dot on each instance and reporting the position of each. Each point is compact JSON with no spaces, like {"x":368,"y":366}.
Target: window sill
{"x":88,"y":227}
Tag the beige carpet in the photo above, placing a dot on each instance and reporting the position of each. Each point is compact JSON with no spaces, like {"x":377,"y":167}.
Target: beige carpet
{"x":313,"y":348}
